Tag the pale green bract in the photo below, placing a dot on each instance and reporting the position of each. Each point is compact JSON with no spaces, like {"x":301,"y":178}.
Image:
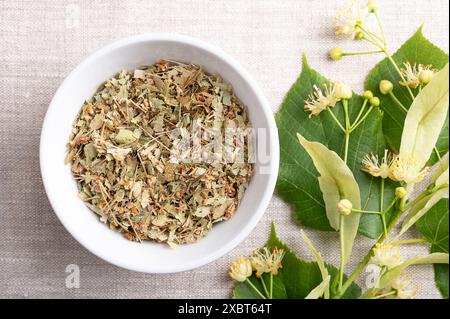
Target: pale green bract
{"x":422,"y":207}
{"x":320,"y":263}
{"x":336,"y":182}
{"x":435,"y":258}
{"x":425,"y":118}
{"x":440,"y":177}
{"x":319,"y":291}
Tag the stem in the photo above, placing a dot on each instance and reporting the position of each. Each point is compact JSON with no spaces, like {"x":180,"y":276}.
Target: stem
{"x":265,"y":287}
{"x":399,"y":72}
{"x":335,"y":119}
{"x":369,"y":33}
{"x":256,"y":289}
{"x":436,"y":151}
{"x":362,"y":53}
{"x":362,"y":120}
{"x":347,"y":129}
{"x":365,"y":211}
{"x":410,"y":241}
{"x":271,"y":286}
{"x":342,"y":264}
{"x":361,"y":111}
{"x":383,"y":218}
{"x":398,"y":102}
{"x":366,"y":259}
{"x":380,"y":25}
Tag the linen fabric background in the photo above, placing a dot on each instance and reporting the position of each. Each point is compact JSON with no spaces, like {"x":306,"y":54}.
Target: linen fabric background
{"x":42,"y":41}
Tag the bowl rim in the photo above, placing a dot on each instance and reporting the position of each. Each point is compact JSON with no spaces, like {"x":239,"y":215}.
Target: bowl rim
{"x":274,"y":151}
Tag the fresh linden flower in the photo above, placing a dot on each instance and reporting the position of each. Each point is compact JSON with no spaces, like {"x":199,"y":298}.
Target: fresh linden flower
{"x":374,"y":167}
{"x":241,"y":269}
{"x":407,"y":169}
{"x":386,"y":87}
{"x":416,"y":75}
{"x":348,"y":19}
{"x":319,"y":100}
{"x":265,"y":261}
{"x":386,"y":255}
{"x":404,"y":287}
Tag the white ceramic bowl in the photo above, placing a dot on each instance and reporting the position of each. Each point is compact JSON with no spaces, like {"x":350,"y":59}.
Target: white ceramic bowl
{"x":62,"y":191}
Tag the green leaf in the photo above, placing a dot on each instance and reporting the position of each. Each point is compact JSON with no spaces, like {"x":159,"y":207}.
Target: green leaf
{"x":297,"y":180}
{"x":434,"y":226}
{"x":416,"y":50}
{"x":421,"y":207}
{"x":425,"y":119}
{"x":295,"y":280}
{"x":440,"y":176}
{"x":433,"y":258}
{"x":336,"y":182}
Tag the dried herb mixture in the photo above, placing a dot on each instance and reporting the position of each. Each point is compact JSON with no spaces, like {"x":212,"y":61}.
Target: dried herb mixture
{"x":122,"y":153}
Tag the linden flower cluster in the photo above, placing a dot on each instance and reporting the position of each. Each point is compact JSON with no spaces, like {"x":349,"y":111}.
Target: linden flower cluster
{"x":319,"y":100}
{"x":399,"y":168}
{"x":262,"y":261}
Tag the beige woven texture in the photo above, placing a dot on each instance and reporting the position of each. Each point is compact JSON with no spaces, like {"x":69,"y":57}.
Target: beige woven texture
{"x":42,"y":41}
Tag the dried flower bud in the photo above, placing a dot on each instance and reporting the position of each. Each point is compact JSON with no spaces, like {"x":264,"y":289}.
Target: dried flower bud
{"x":342,"y":91}
{"x":386,"y":87}
{"x":374,"y":101}
{"x":425,"y":76}
{"x":336,"y":54}
{"x":400,"y":192}
{"x":367,"y":95}
{"x":241,"y":269}
{"x":345,"y":207}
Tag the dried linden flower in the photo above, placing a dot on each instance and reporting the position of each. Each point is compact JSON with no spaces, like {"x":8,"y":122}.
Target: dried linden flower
{"x":131,"y":153}
{"x":241,"y":269}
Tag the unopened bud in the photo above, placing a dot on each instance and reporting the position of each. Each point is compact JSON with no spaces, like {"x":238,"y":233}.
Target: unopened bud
{"x":367,"y":95}
{"x":400,"y":192}
{"x":345,"y":207}
{"x":386,"y":87}
{"x":336,"y":54}
{"x":342,"y":91}
{"x":374,"y":101}
{"x":426,"y":76}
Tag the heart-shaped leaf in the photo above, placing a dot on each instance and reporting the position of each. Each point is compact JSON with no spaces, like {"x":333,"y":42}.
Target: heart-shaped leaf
{"x":297,"y":180}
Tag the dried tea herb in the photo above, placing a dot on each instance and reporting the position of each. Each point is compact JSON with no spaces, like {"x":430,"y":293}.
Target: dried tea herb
{"x":139,"y":166}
